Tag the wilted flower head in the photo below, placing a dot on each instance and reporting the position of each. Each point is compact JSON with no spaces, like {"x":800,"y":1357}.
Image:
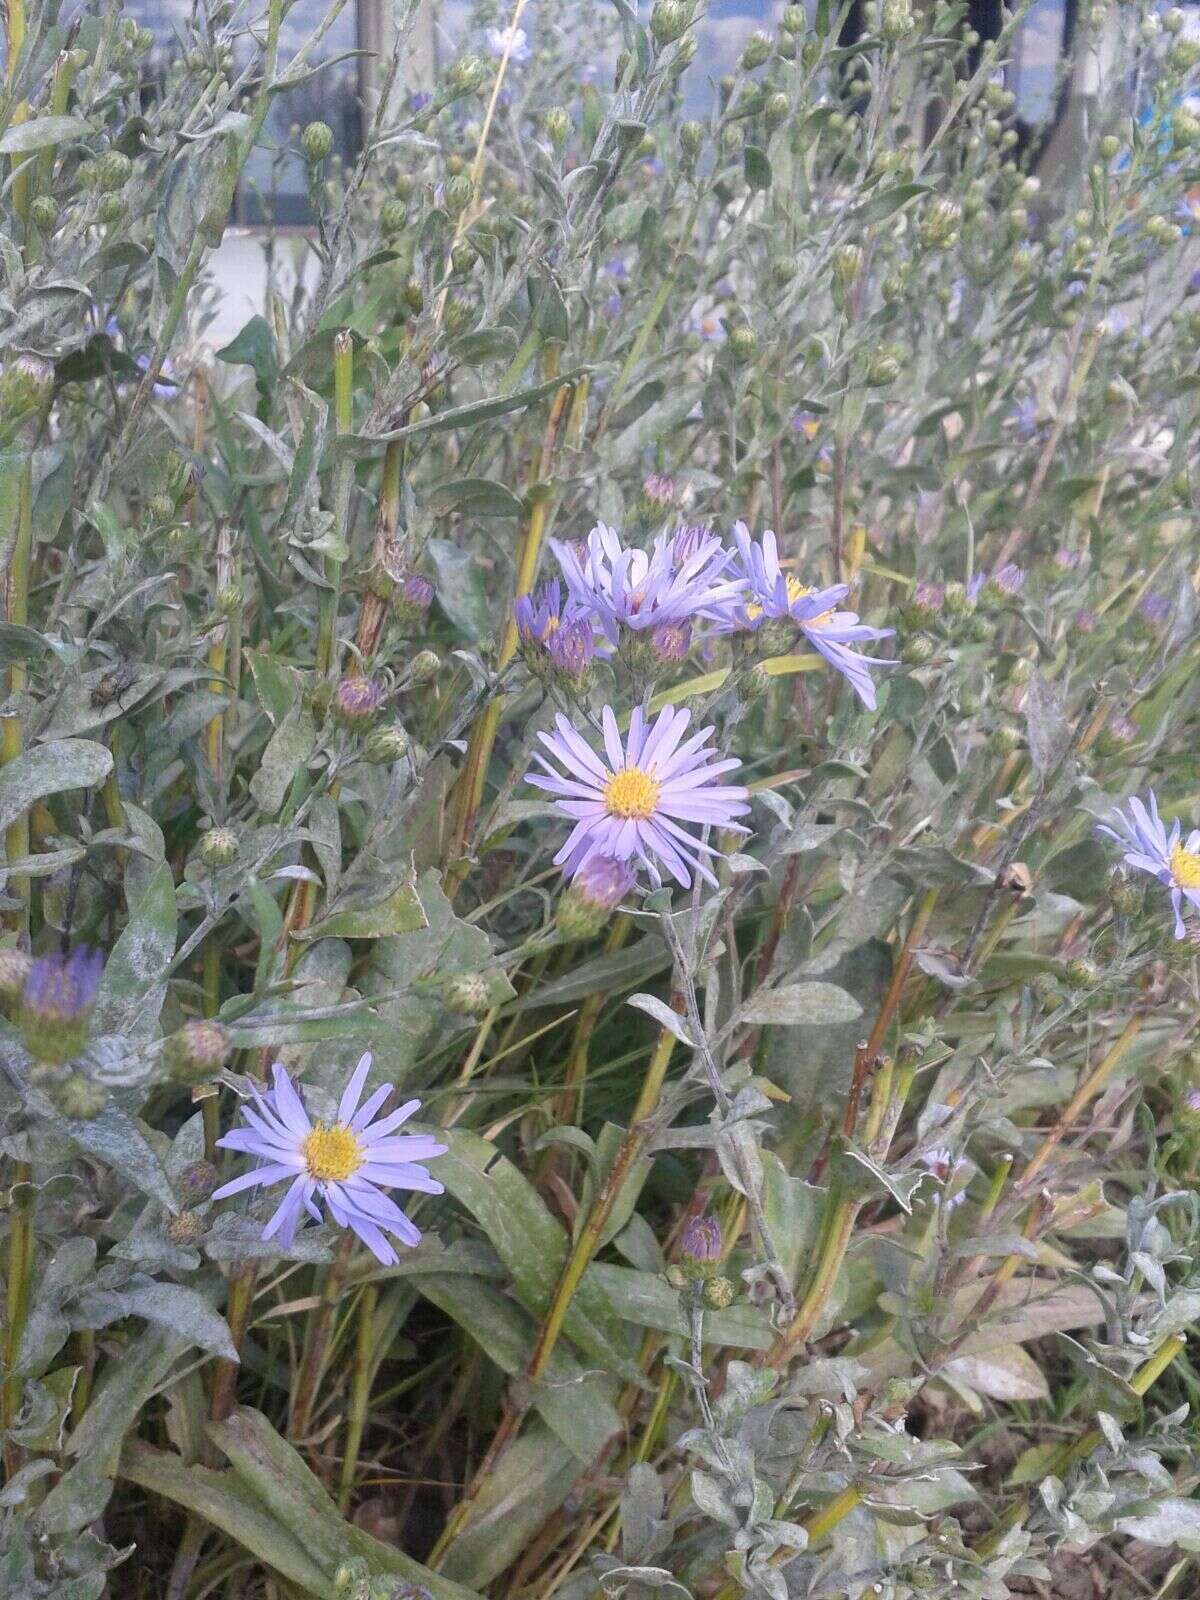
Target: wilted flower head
{"x":630,"y":803}
{"x":347,"y":1163}
{"x":626,"y":588}
{"x":513,"y":41}
{"x":1150,"y":847}
{"x":928,"y":598}
{"x":57,"y":1003}
{"x":417,"y":592}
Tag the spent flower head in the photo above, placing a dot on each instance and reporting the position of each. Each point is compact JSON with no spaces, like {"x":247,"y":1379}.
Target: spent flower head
{"x":57,"y":1002}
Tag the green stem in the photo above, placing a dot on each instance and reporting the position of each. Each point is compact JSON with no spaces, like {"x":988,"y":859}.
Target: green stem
{"x":16,"y":1297}
{"x":360,"y":1394}
{"x":16,"y":838}
{"x":317,"y":1344}
{"x":343,"y":387}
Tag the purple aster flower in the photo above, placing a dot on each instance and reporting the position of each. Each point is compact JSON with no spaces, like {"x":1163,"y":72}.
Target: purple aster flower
{"x":686,"y":541}
{"x":707,"y":326}
{"x":538,"y":615}
{"x":652,"y":167}
{"x":418,"y":100}
{"x":1085,"y":620}
{"x":632,"y":804}
{"x":347,"y":1163}
{"x":1155,"y":609}
{"x":1075,"y":288}
{"x":627,"y":588}
{"x":804,"y":422}
{"x":357,"y":701}
{"x":927,"y":599}
{"x":616,"y":269}
{"x":417,"y":592}
{"x":1068,"y":560}
{"x":1193,"y":283}
{"x":513,"y":41}
{"x":769,"y":594}
{"x":1005,"y":581}
{"x":57,"y":1002}
{"x":1023,"y":418}
{"x":611,"y":304}
{"x":723,"y":289}
{"x":1150,"y":847}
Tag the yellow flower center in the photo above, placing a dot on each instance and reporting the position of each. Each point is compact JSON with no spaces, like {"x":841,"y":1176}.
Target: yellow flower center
{"x":1185,"y":867}
{"x":797,"y":591}
{"x":632,"y":794}
{"x":332,"y":1154}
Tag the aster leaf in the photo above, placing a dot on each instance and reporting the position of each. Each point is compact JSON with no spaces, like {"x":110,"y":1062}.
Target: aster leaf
{"x":664,"y":1016}
{"x":53,"y":768}
{"x":792,"y":1003}
{"x":531,"y":1480}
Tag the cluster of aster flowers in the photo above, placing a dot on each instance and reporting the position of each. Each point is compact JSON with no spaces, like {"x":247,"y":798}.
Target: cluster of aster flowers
{"x":652,"y":606}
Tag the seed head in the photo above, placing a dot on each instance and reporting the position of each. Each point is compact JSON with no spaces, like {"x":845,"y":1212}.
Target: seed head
{"x":197,"y":1052}
{"x":185,"y":1228}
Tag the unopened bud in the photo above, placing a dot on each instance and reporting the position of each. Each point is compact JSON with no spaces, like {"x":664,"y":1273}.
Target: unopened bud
{"x":218,"y":848}
{"x":465,"y":75}
{"x":316,"y":142}
{"x":197,"y":1052}
{"x":717,"y":1293}
{"x":76,"y":1097}
{"x":468,"y":993}
{"x":743,"y":343}
{"x":700,"y":1247}
{"x":383,"y":746}
{"x":556,"y":124}
{"x":109,"y":172}
{"x":668,"y":20}
{"x":43,"y":213}
{"x":938,"y":225}
{"x":846,"y":262}
{"x":185,"y":1228}
{"x":459,"y":193}
{"x":393,"y":216}
{"x":691,"y":139}
{"x":425,"y":666}
{"x":1083,"y":973}
{"x":196,"y":1182}
{"x":757,"y":49}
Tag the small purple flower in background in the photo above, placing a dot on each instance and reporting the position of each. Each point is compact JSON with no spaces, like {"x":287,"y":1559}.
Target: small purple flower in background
{"x":658,"y":490}
{"x":611,"y":305}
{"x":631,"y":806}
{"x":616,"y":269}
{"x":1003,"y":583}
{"x":513,"y":41}
{"x":1193,"y":283}
{"x":941,"y":1163}
{"x":418,"y":100}
{"x":723,"y":289}
{"x":1148,"y":846}
{"x":57,"y":1002}
{"x":1075,"y":288}
{"x":1085,"y":620}
{"x":347,"y":1163}
{"x":652,"y":167}
{"x":626,"y":588}
{"x":1022,"y":419}
{"x":804,"y":422}
{"x":928,"y":598}
{"x":707,"y":326}
{"x":417,"y":591}
{"x":1068,"y":560}
{"x":1155,"y":609}
{"x":538,"y":615}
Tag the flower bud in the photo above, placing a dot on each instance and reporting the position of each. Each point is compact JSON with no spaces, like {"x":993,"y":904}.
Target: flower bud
{"x":356,"y":702}
{"x":466,"y":74}
{"x":26,"y":384}
{"x":691,"y":139}
{"x":794,"y":20}
{"x":76,"y":1097}
{"x":457,"y":314}
{"x":414,"y":295}
{"x":668,"y":21}
{"x":556,"y":124}
{"x":883,"y":369}
{"x":757,"y":49}
{"x":185,"y":1228}
{"x":14,"y":970}
{"x":955,"y":599}
{"x":109,"y":172}
{"x":937,"y":228}
{"x":110,"y":209}
{"x":1006,"y":738}
{"x":468,"y":993}
{"x":700,"y":1247}
{"x":460,"y":192}
{"x":775,"y":110}
{"x":197,"y":1052}
{"x":393,"y":216}
{"x":218,"y":848}
{"x":425,"y":666}
{"x":1187,"y":1111}
{"x":896,"y":20}
{"x":743,"y":343}
{"x":196,"y":1182}
{"x":383,"y":746}
{"x":43,"y":213}
{"x":685,"y":54}
{"x":846,"y":262}
{"x":316,"y":142}
{"x":717,"y":1293}
{"x":592,"y":895}
{"x":1082,"y":973}
{"x":918,"y":650}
